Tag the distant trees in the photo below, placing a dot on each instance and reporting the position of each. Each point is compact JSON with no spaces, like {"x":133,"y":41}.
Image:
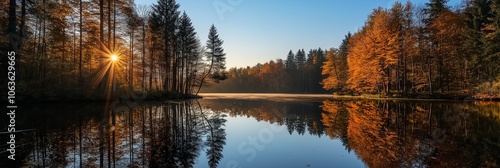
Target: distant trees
{"x":406,"y":50}
{"x":300,"y":74}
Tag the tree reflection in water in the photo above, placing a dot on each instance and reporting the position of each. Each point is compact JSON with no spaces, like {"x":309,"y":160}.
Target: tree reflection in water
{"x":417,"y":134}
{"x":216,"y":139}
{"x":150,"y":135}
{"x":380,"y":133}
{"x":390,"y":133}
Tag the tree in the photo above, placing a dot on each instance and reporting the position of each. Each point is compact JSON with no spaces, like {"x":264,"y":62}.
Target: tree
{"x":492,"y":43}
{"x":331,"y":70}
{"x":164,"y":18}
{"x":450,"y":32}
{"x":476,"y":18}
{"x":373,"y":55}
{"x":216,"y":57}
{"x":300,"y":61}
{"x":434,"y":9}
{"x":189,"y":48}
{"x":143,"y":12}
{"x":335,"y":68}
{"x":290,"y":61}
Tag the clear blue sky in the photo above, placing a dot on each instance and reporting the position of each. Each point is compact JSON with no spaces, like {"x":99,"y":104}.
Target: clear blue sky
{"x":256,"y":31}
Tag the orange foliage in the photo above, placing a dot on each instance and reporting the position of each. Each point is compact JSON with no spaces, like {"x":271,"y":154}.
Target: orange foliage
{"x":330,"y":68}
{"x":373,"y":52}
{"x":333,"y":118}
{"x":373,"y":142}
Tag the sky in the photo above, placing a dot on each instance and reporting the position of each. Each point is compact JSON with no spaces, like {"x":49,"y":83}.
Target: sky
{"x":257,"y":31}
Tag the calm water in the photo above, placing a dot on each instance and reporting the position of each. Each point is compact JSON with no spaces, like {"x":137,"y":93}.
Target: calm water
{"x":259,"y":131}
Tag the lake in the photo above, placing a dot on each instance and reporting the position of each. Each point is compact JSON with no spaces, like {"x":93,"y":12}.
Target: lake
{"x":258,"y":130}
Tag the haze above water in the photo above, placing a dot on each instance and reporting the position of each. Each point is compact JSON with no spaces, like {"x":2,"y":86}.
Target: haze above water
{"x":262,"y":130}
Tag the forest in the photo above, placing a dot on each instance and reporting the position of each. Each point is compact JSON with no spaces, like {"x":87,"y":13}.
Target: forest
{"x":426,"y":51}
{"x":86,"y":50}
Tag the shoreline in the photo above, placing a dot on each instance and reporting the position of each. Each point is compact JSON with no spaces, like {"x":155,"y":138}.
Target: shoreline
{"x":255,"y":96}
{"x":342,"y":97}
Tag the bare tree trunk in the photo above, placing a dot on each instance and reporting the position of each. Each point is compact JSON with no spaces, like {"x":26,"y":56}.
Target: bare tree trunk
{"x":132,"y":59}
{"x":143,"y":55}
{"x":204,"y":76}
{"x":12,"y":19}
{"x":151,"y":67}
{"x":109,"y":24}
{"x":102,"y":58}
{"x":80,"y":50}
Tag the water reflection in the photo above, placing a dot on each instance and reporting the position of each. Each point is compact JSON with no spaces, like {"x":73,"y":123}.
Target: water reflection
{"x":194,"y":133}
{"x":150,"y":135}
{"x":391,"y":133}
{"x":417,"y":134}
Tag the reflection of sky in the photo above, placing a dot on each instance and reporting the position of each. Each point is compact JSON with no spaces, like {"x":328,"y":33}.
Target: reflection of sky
{"x":284,"y":150}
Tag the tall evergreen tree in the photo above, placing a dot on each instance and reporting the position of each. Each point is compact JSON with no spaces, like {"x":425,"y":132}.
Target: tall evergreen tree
{"x":492,"y":44}
{"x":215,"y":53}
{"x":477,"y":14}
{"x":434,"y":8}
{"x":216,"y":57}
{"x":164,"y":16}
{"x":290,"y":61}
{"x":300,"y":59}
{"x":188,"y":44}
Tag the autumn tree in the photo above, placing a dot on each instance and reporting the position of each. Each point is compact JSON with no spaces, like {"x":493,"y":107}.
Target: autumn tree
{"x":449,"y":28}
{"x":374,"y":55}
{"x":335,"y":67}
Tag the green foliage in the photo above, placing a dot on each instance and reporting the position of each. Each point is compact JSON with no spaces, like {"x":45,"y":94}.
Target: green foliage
{"x":476,"y":20}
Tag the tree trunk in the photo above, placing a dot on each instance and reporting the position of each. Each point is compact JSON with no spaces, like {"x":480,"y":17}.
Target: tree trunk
{"x":143,"y":55}
{"x":80,"y":75}
{"x":102,"y":58}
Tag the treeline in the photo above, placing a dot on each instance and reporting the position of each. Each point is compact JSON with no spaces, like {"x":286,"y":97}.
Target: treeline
{"x":299,"y":73}
{"x":406,"y":51}
{"x":430,"y":50}
{"x":64,"y":49}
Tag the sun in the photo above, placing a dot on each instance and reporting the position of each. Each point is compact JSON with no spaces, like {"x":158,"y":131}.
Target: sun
{"x":114,"y":57}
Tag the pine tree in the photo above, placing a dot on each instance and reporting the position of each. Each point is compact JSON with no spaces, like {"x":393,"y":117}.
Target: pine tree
{"x":290,"y":61}
{"x":300,"y":59}
{"x":188,"y":44}
{"x":216,"y":57}
{"x":492,"y":44}
{"x":164,"y":18}
{"x":215,"y":53}
{"x":477,"y":15}
{"x":434,"y":9}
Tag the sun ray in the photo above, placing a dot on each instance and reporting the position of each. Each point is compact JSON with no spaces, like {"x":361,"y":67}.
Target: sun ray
{"x":109,"y":70}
